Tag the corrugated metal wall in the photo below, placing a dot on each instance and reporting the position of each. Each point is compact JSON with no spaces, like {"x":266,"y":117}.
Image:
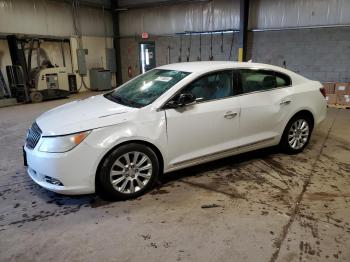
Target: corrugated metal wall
{"x":206,"y":16}
{"x":50,"y":18}
{"x":265,"y":14}
{"x":224,"y":14}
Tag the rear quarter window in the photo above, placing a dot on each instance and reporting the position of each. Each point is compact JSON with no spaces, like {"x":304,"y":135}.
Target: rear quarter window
{"x":282,"y":80}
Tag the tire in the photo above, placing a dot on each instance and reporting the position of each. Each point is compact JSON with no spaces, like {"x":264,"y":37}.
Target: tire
{"x":300,"y":123}
{"x":36,"y":97}
{"x":131,"y":177}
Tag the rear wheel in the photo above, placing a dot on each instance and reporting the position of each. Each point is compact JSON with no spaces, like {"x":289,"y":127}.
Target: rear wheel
{"x":297,"y":134}
{"x":36,"y":97}
{"x":128,"y":172}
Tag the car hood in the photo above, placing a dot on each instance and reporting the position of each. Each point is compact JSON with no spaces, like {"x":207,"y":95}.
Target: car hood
{"x":81,"y":115}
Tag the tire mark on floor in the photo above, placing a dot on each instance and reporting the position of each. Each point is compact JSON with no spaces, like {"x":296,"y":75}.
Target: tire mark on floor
{"x":296,"y":210}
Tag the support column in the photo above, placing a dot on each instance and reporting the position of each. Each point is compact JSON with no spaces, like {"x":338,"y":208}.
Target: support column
{"x":116,"y":41}
{"x":243,"y":30}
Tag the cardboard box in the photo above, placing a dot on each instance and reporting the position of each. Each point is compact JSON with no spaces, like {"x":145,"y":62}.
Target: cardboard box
{"x":342,"y":89}
{"x":331,"y":99}
{"x":329,"y":87}
{"x":343,"y":100}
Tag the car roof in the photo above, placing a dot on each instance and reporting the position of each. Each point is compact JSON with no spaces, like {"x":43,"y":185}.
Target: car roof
{"x":207,"y":66}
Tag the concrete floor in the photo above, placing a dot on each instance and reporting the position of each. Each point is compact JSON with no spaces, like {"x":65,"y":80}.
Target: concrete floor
{"x":269,"y":207}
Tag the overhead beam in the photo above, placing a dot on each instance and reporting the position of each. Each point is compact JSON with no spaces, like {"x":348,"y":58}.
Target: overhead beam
{"x":90,"y":3}
{"x":243,"y":30}
{"x":135,"y":4}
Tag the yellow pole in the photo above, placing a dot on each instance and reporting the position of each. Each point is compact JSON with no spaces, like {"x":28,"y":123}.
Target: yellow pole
{"x":240,"y":54}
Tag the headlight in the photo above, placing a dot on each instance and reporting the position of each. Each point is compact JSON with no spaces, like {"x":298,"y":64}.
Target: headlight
{"x":60,"y":144}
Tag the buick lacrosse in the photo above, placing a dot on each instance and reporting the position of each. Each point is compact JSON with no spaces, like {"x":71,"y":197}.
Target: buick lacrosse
{"x":171,"y":117}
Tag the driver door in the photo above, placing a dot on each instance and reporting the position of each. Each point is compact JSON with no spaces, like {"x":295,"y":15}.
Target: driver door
{"x":209,"y":126}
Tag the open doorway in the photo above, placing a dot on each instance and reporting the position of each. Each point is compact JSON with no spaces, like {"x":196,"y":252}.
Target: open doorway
{"x":147,"y":56}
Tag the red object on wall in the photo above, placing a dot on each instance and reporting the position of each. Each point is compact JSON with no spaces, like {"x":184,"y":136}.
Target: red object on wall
{"x":144,"y":35}
{"x":129,"y":71}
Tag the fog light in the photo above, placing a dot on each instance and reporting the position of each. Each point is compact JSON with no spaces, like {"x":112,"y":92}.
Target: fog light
{"x":53,"y":181}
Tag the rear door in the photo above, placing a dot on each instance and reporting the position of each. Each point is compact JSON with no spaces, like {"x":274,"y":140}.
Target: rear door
{"x":265,"y":101}
{"x":210,"y":125}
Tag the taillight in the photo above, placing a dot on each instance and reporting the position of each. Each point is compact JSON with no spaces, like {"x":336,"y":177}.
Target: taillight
{"x":323,"y":91}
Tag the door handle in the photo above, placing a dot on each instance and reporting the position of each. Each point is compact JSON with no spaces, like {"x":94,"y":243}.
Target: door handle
{"x":285,"y":102}
{"x":230,"y":115}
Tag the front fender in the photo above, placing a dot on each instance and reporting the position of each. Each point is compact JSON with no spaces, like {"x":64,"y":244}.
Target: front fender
{"x":103,"y":140}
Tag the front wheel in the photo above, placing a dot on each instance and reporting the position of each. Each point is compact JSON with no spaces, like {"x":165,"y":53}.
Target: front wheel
{"x":296,"y":135}
{"x":128,"y":172}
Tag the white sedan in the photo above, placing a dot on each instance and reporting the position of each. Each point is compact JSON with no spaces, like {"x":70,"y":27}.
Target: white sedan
{"x":171,"y":117}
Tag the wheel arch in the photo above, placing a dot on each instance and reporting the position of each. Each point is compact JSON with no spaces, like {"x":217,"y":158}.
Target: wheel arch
{"x":282,"y":142}
{"x":135,"y":141}
{"x":304,"y":112}
{"x":307,"y":113}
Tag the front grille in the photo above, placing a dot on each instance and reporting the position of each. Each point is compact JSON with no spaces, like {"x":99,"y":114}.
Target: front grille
{"x":33,"y":136}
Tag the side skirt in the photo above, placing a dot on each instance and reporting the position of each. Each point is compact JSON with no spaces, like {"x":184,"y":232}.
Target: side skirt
{"x":221,"y":154}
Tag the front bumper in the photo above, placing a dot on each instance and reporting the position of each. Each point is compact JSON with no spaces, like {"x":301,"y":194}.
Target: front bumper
{"x":75,"y":169}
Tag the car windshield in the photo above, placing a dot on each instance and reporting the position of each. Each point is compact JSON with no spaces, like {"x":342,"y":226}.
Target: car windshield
{"x":146,"y":88}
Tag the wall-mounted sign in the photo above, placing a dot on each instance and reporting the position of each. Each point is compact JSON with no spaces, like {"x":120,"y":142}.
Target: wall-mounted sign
{"x":144,"y":35}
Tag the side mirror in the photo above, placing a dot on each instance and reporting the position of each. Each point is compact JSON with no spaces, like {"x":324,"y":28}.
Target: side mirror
{"x":186,"y":99}
{"x":181,"y":100}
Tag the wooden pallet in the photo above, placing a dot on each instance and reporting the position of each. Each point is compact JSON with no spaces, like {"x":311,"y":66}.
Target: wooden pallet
{"x":339,"y":106}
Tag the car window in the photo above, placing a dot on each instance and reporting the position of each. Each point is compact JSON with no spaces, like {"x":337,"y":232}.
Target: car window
{"x":213,"y":86}
{"x":283,"y":80}
{"x":143,"y":90}
{"x":259,"y":80}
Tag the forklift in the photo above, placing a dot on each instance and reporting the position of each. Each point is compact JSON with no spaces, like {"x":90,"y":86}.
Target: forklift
{"x":43,"y":82}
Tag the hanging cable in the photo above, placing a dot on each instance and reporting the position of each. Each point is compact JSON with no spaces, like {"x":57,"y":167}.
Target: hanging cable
{"x":104,"y":25}
{"x":199,"y":58}
{"x":180,"y":49}
{"x":222,"y":42}
{"x":78,"y":35}
{"x":211,"y":47}
{"x":230,"y":54}
{"x":168,"y":56}
{"x":189,"y":49}
{"x":76,"y":21}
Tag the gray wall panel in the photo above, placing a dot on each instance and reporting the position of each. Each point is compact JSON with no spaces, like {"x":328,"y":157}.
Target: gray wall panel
{"x":321,"y":54}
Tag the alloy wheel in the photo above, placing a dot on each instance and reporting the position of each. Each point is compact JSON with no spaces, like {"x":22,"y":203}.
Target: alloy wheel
{"x":131,"y":172}
{"x":298,"y":134}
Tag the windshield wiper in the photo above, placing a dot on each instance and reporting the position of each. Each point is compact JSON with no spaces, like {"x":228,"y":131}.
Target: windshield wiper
{"x":116,"y":99}
{"x":122,"y":101}
{"x":132,"y":103}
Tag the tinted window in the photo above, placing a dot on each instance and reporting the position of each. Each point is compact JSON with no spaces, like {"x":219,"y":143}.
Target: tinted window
{"x":259,"y":80}
{"x":213,"y":86}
